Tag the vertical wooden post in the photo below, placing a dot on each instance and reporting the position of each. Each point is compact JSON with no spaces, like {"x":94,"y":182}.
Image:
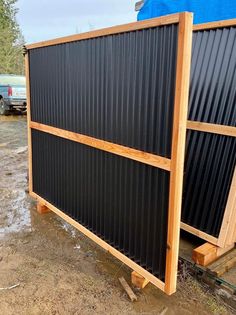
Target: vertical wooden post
{"x":27,"y":74}
{"x":178,"y":148}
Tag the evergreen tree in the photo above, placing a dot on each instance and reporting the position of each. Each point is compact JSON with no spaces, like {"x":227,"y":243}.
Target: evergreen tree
{"x":11,"y":39}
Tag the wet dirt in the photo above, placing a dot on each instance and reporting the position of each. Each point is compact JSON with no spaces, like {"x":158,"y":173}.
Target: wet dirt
{"x":55,"y":268}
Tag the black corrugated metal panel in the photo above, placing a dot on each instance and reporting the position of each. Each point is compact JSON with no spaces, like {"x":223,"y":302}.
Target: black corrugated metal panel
{"x":118,"y":88}
{"x":209,"y":167}
{"x":210,"y":159}
{"x":213,"y":77}
{"x":122,"y":201}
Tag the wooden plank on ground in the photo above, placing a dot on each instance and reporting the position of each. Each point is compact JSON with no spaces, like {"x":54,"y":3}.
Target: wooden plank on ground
{"x":128,"y":289}
{"x":223,"y":265}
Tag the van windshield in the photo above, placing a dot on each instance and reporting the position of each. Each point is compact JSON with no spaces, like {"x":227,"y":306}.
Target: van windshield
{"x":12,"y":80}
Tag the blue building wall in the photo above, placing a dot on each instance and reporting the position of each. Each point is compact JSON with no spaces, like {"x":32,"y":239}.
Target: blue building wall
{"x":204,"y":10}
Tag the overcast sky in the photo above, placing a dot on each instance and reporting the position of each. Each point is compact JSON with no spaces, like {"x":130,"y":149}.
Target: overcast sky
{"x":46,"y":19}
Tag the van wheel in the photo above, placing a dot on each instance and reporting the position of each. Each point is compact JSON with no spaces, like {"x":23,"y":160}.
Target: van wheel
{"x":4,"y":110}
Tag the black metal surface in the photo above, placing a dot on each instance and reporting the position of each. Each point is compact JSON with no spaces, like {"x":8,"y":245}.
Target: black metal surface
{"x":209,"y":166}
{"x":118,"y":88}
{"x":213,"y":77}
{"x":210,"y":159}
{"x":122,"y":201}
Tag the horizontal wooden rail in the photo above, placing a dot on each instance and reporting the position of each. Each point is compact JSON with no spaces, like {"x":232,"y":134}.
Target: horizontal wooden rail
{"x":133,"y":154}
{"x":199,"y":233}
{"x":213,"y":25}
{"x":164,"y":20}
{"x":212,"y":128}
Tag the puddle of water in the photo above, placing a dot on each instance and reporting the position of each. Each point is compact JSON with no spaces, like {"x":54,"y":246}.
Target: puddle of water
{"x":14,"y":214}
{"x":14,"y":205}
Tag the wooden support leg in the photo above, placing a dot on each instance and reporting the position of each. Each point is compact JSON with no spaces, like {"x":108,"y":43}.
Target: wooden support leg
{"x":41,"y":208}
{"x":138,"y":280}
{"x":207,"y":253}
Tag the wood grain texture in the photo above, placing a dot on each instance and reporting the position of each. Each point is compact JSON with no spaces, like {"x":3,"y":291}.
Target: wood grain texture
{"x":164,"y":20}
{"x":212,"y":128}
{"x":128,"y":289}
{"x":138,"y":281}
{"x":158,"y":283}
{"x":27,"y":75}
{"x":178,"y":148}
{"x":213,"y":25}
{"x":223,"y":265}
{"x":207,"y":237}
{"x":208,"y":253}
{"x":133,"y":154}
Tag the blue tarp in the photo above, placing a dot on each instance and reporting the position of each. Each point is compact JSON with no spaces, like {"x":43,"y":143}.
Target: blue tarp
{"x":204,"y":10}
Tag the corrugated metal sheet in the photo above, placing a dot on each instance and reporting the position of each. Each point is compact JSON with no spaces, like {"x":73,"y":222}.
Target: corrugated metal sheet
{"x":213,"y":77}
{"x":210,"y":159}
{"x":209,"y":166}
{"x":117,"y":88}
{"x":122,"y":201}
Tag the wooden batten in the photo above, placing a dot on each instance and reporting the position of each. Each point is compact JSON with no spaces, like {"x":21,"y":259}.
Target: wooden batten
{"x":164,"y":20}
{"x":212,"y":128}
{"x":207,"y":237}
{"x":178,"y":148}
{"x":213,"y":25}
{"x":133,"y":154}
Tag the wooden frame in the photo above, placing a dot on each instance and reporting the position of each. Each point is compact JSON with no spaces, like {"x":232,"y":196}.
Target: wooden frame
{"x":227,"y":235}
{"x":136,"y":155}
{"x":213,"y":25}
{"x":175,"y":165}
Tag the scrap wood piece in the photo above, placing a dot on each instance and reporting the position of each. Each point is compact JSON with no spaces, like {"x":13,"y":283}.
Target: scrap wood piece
{"x":128,"y":289}
{"x":138,"y":280}
{"x":41,"y":208}
{"x":223,"y":265}
{"x":163,"y":311}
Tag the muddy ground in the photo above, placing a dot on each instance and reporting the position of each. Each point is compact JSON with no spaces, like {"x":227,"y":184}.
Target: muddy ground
{"x":54,"y":268}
